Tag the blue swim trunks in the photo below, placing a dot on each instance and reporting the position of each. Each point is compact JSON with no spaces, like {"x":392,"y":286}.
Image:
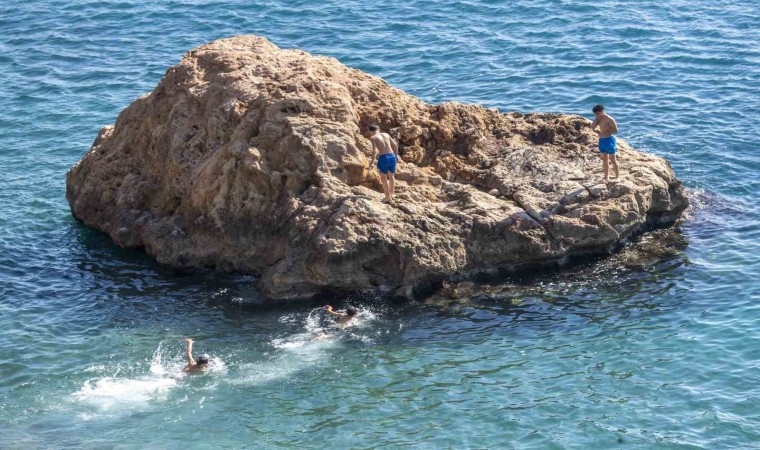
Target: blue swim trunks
{"x":386,"y":163}
{"x":608,"y":145}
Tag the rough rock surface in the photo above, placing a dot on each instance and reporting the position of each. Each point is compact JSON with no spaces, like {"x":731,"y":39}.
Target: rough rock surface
{"x":251,"y":158}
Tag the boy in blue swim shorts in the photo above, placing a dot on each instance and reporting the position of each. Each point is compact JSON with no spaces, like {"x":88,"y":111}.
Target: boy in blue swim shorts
{"x":607,"y":141}
{"x":386,"y":162}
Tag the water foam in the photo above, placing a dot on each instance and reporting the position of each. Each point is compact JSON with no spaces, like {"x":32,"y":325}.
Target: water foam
{"x":305,"y":349}
{"x":109,"y":394}
{"x":114,"y":393}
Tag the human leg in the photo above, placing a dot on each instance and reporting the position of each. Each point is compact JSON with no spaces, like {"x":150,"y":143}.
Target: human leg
{"x":384,"y":179}
{"x":605,"y":165}
{"x":613,"y":158}
{"x":607,"y":149}
{"x":391,"y":185}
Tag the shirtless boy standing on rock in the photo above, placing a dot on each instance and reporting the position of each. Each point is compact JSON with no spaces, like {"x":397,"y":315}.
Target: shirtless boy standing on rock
{"x":607,"y":142}
{"x":386,"y":162}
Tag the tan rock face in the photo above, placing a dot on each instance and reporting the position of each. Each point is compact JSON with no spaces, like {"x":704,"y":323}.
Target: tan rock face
{"x":251,"y":158}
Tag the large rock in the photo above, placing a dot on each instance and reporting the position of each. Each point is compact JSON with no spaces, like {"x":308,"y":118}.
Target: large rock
{"x":251,"y":158}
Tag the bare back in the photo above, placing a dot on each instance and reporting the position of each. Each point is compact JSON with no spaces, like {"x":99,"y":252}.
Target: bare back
{"x":194,"y":368}
{"x":607,"y":126}
{"x":383,"y":143}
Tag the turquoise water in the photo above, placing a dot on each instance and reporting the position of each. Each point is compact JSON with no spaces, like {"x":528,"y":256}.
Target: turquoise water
{"x":651,"y":348}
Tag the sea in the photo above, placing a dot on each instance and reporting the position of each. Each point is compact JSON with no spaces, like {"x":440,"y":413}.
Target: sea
{"x":656,"y":346}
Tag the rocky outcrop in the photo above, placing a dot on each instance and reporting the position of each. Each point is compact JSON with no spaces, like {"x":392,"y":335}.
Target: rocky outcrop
{"x":251,"y":158}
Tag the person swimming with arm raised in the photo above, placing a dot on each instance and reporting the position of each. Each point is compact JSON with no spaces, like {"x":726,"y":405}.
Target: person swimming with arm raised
{"x":343,"y":320}
{"x":607,"y":141}
{"x":194,"y":365}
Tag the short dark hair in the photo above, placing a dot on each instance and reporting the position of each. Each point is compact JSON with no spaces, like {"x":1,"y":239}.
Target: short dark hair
{"x":202,"y":360}
{"x":351,"y":311}
{"x":598,"y":108}
{"x":373,"y":127}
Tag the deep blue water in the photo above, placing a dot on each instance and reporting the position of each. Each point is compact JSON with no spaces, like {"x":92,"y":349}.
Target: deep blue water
{"x":642,"y":350}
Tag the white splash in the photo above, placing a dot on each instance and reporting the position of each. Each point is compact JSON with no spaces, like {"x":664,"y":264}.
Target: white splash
{"x":114,"y":393}
{"x":308,"y":348}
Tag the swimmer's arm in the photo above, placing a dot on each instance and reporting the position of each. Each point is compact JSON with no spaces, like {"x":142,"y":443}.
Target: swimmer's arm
{"x":190,"y":359}
{"x":333,"y":313}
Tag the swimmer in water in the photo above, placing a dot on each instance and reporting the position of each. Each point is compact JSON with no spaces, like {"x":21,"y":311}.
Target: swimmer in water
{"x":343,"y":320}
{"x":194,"y":365}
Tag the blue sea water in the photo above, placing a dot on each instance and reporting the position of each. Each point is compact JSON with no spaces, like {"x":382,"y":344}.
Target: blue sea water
{"x":654,"y":347}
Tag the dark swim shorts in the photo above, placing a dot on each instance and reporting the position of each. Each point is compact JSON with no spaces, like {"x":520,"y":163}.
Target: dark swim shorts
{"x":386,"y":163}
{"x":608,"y":145}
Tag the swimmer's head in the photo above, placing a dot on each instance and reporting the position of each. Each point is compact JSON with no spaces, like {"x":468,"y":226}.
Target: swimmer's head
{"x":351,"y":311}
{"x":203,"y":359}
{"x":598,"y":109}
{"x":373,"y":127}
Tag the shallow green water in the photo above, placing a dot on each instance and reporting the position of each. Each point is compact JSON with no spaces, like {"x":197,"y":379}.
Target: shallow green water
{"x":655,"y":347}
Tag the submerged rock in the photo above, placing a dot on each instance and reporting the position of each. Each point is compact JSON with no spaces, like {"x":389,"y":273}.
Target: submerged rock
{"x":251,"y":158}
